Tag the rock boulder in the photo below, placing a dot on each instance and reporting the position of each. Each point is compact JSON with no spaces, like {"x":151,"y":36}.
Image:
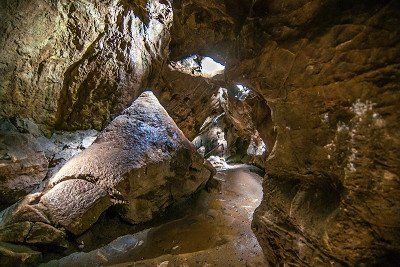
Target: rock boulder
{"x":141,"y":163}
{"x":142,"y":159}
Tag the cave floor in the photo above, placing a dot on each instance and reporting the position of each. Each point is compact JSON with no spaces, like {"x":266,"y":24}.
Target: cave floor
{"x":214,"y":231}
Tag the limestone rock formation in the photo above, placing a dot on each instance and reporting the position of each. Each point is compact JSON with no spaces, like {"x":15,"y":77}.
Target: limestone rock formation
{"x":75,"y":204}
{"x":187,"y":98}
{"x":141,"y":161}
{"x":62,"y":146}
{"x":328,"y":71}
{"x":202,"y":27}
{"x":324,"y":76}
{"x":28,"y":157}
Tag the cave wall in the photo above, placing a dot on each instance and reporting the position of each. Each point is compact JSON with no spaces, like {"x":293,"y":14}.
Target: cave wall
{"x":187,"y":98}
{"x":202,"y":27}
{"x":73,"y":64}
{"x":329,"y":71}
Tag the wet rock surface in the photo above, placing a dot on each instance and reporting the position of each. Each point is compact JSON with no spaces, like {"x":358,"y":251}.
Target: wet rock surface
{"x":214,"y":229}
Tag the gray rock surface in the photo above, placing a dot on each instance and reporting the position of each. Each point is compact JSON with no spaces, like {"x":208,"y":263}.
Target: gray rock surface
{"x":64,"y":145}
{"x":23,"y":164}
{"x":27,"y":157}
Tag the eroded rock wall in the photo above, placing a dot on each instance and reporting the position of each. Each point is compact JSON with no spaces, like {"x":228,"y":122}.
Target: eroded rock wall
{"x":329,"y":71}
{"x":187,"y":98}
{"x":27,"y":157}
{"x":72,"y":64}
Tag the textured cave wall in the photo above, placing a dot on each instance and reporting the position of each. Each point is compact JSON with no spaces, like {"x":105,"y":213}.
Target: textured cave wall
{"x":73,"y":64}
{"x":329,"y":71}
{"x":252,"y":117}
{"x":202,"y":27}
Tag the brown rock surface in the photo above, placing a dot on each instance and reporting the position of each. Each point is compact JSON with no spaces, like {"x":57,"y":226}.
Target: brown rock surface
{"x":213,"y":229}
{"x":27,"y":157}
{"x":27,"y":222}
{"x":16,"y":255}
{"x":187,"y":98}
{"x":203,"y":27}
{"x":74,"y":63}
{"x":141,"y":161}
{"x":329,"y":72}
{"x":325,"y":74}
{"x":75,"y":204}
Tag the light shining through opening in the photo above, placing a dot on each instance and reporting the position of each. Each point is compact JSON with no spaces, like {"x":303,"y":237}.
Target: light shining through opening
{"x":199,"y":66}
{"x":210,"y":68}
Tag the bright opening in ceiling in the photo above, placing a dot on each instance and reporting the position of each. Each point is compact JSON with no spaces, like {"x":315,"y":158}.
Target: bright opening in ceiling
{"x":210,"y":67}
{"x":199,"y":66}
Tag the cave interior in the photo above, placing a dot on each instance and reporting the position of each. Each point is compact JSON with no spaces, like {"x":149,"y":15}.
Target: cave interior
{"x":199,"y":133}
